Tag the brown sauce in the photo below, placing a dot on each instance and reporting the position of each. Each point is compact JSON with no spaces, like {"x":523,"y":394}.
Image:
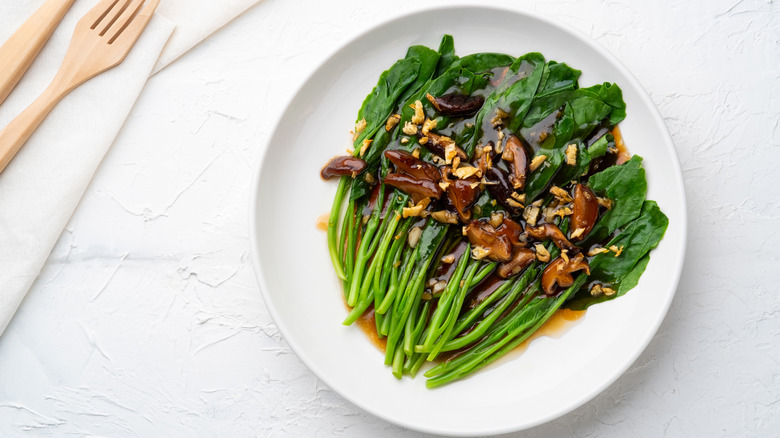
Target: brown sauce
{"x":623,"y":155}
{"x":561,"y":322}
{"x":367,"y":324}
{"x":322,"y":221}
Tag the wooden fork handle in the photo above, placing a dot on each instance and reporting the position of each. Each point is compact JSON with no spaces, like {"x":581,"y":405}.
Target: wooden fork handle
{"x":16,"y":134}
{"x":19,"y":51}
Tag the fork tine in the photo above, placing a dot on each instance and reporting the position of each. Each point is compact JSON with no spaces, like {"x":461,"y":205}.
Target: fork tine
{"x":98,"y":13}
{"x":121,"y":22}
{"x":108,"y":21}
{"x":129,"y":33}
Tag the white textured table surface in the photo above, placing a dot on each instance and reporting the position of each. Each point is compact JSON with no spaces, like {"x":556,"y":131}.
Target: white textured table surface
{"x":147,"y":321}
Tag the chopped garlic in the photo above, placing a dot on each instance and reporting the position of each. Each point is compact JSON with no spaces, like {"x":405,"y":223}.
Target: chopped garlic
{"x":414,"y":236}
{"x":518,"y":197}
{"x":419,"y":114}
{"x":417,"y":209}
{"x":536,"y":162}
{"x":450,"y":152}
{"x":507,"y":155}
{"x":561,"y":194}
{"x":605,"y":202}
{"x":498,"y":119}
{"x":496,"y":219}
{"x":428,"y":125}
{"x":531,"y":214}
{"x":571,"y":154}
{"x":359,"y":127}
{"x":479,"y":252}
{"x":464,"y":172}
{"x":513,"y":203}
{"x":445,"y":217}
{"x":563,"y":211}
{"x":410,"y":129}
{"x":392,"y":121}
{"x":541,"y":253}
{"x":364,"y":148}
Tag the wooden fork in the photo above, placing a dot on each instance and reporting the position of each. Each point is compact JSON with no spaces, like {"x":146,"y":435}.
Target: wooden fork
{"x":102,"y":40}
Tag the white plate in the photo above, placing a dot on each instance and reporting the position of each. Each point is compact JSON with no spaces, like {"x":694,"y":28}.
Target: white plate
{"x":553,"y":376}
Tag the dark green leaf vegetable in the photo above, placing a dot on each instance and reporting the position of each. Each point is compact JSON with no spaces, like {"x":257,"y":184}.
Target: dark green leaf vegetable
{"x":485,"y":193}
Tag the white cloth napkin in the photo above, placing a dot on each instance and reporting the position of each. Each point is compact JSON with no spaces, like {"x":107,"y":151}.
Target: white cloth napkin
{"x":41,"y":187}
{"x":195,"y":21}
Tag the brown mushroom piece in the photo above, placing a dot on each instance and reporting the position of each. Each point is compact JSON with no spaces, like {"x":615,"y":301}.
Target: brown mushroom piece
{"x":438,"y":143}
{"x":342,"y":166}
{"x":517,"y":155}
{"x":520,"y":260}
{"x":558,"y":273}
{"x":455,"y":104}
{"x":499,"y":188}
{"x":408,"y":163}
{"x":462,"y":195}
{"x":418,"y":188}
{"x":585,"y":212}
{"x":552,"y":232}
{"x":481,"y":233}
{"x":512,"y":230}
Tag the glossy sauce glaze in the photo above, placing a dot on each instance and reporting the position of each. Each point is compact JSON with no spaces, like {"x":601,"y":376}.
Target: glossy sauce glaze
{"x":322,"y":222}
{"x":559,"y":323}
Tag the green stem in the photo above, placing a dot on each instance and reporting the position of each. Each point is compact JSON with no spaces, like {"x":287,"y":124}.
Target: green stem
{"x":486,"y":323}
{"x":442,"y":308}
{"x":360,"y":263}
{"x":333,"y":222}
{"x":513,"y":338}
{"x":455,"y":307}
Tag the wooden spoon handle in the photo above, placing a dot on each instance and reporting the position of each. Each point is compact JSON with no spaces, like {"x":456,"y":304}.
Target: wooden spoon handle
{"x":15,"y":135}
{"x":19,"y":51}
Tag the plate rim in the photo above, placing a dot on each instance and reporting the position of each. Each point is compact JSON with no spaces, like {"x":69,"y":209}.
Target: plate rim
{"x":547,"y":20}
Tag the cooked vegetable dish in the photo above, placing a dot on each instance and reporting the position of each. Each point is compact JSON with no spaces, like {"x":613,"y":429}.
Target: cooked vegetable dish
{"x":484,"y":193}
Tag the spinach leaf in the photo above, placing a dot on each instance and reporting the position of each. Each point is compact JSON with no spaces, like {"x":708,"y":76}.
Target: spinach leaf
{"x":626,"y":186}
{"x":484,"y":62}
{"x":557,"y":77}
{"x":431,"y":237}
{"x":612,"y":95}
{"x":600,"y":147}
{"x":395,"y":84}
{"x":513,"y":96}
{"x":429,"y":60}
{"x":382,"y":99}
{"x":447,"y":54}
{"x":622,"y":272}
{"x":637,"y":238}
{"x":539,"y":179}
{"x":588,"y":111}
{"x":574,"y":172}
